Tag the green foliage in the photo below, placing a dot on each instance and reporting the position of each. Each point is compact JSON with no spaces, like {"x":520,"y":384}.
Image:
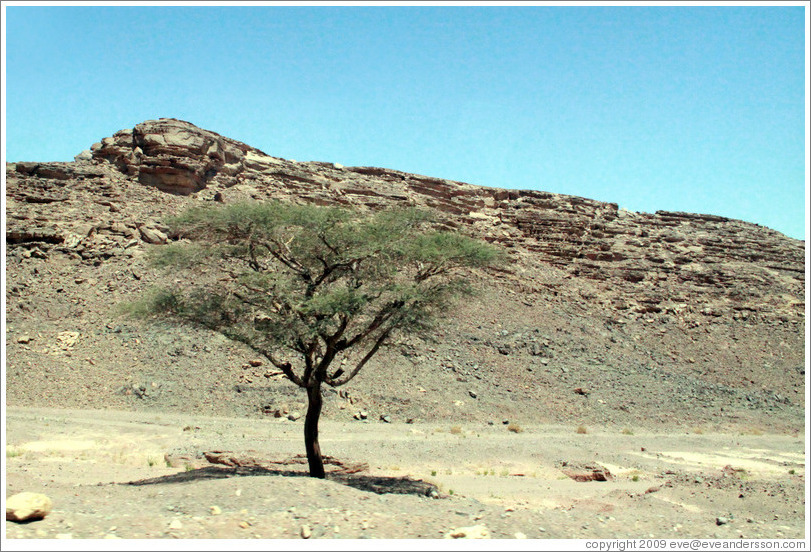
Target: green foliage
{"x":305,"y":284}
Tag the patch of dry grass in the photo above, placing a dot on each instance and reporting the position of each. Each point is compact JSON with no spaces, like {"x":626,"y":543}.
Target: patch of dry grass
{"x":752,"y":431}
{"x":12,"y":452}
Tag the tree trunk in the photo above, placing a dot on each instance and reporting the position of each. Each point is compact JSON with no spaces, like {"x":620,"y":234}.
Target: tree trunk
{"x":311,"y":431}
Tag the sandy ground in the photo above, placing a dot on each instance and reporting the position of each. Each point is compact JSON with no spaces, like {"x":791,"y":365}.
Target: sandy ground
{"x":677,"y":485}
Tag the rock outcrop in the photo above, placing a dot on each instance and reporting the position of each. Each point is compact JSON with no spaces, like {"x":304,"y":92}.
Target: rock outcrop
{"x":666,"y":262}
{"x":175,"y":156}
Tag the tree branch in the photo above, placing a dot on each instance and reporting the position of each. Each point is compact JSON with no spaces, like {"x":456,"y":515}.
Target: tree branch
{"x":385,"y":313}
{"x":286,"y":260}
{"x":285,"y":367}
{"x":381,"y":338}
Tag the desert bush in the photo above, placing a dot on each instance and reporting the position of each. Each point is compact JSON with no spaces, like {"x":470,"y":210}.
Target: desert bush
{"x":581,"y":430}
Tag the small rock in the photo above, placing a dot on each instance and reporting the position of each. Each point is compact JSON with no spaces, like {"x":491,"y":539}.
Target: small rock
{"x":472,"y":532}
{"x":306,"y":532}
{"x":255,"y":362}
{"x":520,"y":535}
{"x":175,"y":524}
{"x":215,"y":510}
{"x":361,"y":415}
{"x":24,"y":339}
{"x":27,"y":506}
{"x":64,"y":536}
{"x":293,"y":416}
{"x":385,"y":418}
{"x":83,"y":157}
{"x":152,"y":235}
{"x":472,"y":394}
{"x":721,"y":521}
{"x":244,"y":524}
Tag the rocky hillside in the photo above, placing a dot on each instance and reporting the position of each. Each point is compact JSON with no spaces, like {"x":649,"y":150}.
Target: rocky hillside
{"x":602,"y":317}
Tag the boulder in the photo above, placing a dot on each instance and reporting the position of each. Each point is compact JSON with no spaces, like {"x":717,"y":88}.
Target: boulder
{"x":27,"y":506}
{"x":585,"y":472}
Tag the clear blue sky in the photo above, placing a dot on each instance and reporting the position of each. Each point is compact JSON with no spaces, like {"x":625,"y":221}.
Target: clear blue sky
{"x":698,"y":109}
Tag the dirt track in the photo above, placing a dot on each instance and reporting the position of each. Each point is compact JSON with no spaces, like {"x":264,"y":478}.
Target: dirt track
{"x":668,"y":486}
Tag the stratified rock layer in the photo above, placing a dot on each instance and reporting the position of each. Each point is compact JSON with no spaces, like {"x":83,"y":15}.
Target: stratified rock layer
{"x":649,"y":263}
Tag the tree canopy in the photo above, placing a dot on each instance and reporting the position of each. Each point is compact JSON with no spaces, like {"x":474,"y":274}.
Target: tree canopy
{"x":305,"y":283}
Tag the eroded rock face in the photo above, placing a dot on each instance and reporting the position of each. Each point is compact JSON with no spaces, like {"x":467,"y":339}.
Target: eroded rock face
{"x":677,"y":264}
{"x":173,"y":155}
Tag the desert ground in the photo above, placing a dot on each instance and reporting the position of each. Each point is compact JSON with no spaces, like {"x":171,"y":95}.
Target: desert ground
{"x":132,"y":475}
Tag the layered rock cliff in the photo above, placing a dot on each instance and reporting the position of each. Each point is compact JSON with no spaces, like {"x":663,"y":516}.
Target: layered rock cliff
{"x":647,"y":263}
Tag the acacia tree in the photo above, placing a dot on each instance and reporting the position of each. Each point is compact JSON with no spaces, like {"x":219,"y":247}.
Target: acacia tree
{"x":306,"y":286}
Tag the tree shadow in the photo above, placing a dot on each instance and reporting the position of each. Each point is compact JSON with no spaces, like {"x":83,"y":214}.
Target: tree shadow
{"x":373,"y":484}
